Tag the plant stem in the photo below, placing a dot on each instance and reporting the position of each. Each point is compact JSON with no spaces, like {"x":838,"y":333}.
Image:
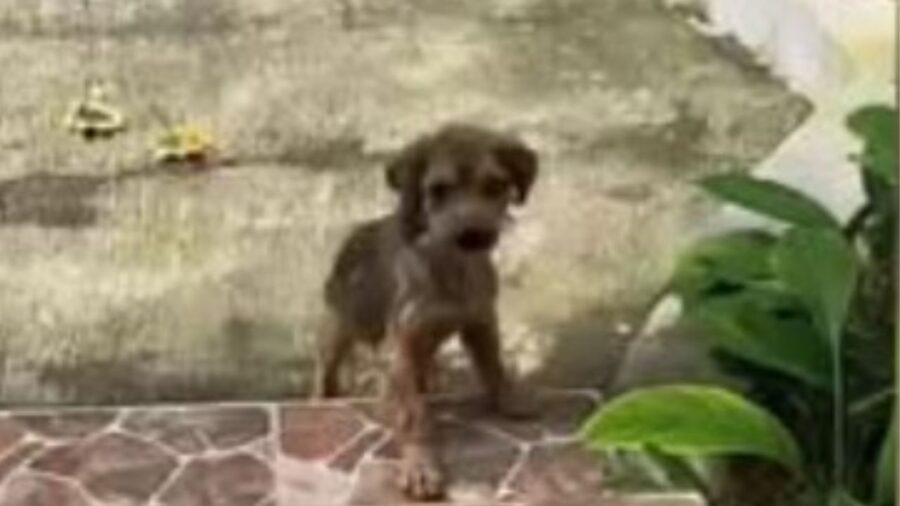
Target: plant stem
{"x":839,"y":422}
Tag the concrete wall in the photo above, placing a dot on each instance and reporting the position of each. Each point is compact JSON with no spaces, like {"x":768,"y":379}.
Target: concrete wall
{"x":167,"y":285}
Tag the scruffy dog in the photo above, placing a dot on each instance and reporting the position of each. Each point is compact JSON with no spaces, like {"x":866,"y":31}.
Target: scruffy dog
{"x":423,"y":274}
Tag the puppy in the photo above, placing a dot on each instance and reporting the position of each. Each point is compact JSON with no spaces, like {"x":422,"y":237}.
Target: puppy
{"x":423,"y":274}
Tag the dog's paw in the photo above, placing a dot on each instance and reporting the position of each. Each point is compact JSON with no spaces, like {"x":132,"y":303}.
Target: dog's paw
{"x":421,"y":478}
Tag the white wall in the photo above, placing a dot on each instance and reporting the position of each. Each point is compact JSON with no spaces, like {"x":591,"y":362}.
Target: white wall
{"x":840,"y":54}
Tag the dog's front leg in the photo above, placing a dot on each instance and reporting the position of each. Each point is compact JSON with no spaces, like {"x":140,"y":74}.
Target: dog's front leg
{"x":422,"y":477}
{"x":482,"y":340}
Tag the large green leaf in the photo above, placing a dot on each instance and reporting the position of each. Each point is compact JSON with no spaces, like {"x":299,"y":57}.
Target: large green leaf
{"x":714,"y":264}
{"x":886,"y":475}
{"x":876,"y":125}
{"x":769,"y":198}
{"x":769,"y":331}
{"x":820,"y":267}
{"x":689,"y":421}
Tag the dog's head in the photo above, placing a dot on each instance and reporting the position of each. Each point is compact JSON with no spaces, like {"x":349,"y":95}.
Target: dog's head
{"x":456,"y":185}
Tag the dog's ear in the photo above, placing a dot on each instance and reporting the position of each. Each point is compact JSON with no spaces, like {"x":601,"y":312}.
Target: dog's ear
{"x":403,"y":174}
{"x":407,"y":165}
{"x":521,"y":162}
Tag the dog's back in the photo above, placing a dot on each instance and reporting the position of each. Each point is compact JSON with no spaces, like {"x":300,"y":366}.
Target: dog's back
{"x":360,"y":287}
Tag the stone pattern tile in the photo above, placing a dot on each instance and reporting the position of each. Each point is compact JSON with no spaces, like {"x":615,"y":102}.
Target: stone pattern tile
{"x":304,"y":454}
{"x":185,"y":456}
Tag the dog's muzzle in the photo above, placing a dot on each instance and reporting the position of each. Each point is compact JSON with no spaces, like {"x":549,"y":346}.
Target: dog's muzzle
{"x":476,"y":239}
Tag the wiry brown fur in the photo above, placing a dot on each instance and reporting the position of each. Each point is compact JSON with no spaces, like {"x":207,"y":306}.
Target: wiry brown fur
{"x":423,"y":274}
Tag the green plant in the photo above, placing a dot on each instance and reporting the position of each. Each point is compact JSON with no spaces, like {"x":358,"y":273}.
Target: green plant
{"x":804,"y":318}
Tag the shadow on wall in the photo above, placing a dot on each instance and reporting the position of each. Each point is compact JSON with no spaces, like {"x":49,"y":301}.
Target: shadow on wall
{"x":254,"y":362}
{"x":588,"y":349}
{"x":65,"y":200}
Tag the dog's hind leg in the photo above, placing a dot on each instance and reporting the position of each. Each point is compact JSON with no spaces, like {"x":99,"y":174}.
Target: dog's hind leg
{"x":482,"y":341}
{"x":336,"y":345}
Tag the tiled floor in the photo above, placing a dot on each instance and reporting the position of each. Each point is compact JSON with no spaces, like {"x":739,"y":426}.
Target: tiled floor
{"x":303,"y":454}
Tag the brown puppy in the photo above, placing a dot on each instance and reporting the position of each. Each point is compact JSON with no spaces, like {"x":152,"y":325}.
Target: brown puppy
{"x":424,"y":273}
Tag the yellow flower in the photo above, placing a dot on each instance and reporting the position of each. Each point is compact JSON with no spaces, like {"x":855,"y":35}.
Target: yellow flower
{"x":185,"y":142}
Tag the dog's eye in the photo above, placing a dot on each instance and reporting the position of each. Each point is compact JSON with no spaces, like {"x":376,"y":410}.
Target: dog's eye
{"x":493,"y":188}
{"x":439,"y":191}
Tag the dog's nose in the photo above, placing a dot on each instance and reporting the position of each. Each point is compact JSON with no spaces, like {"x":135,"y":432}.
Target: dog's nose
{"x":474,"y":239}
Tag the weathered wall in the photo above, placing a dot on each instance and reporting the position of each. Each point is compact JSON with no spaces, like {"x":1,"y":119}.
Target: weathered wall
{"x":206,"y":285}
